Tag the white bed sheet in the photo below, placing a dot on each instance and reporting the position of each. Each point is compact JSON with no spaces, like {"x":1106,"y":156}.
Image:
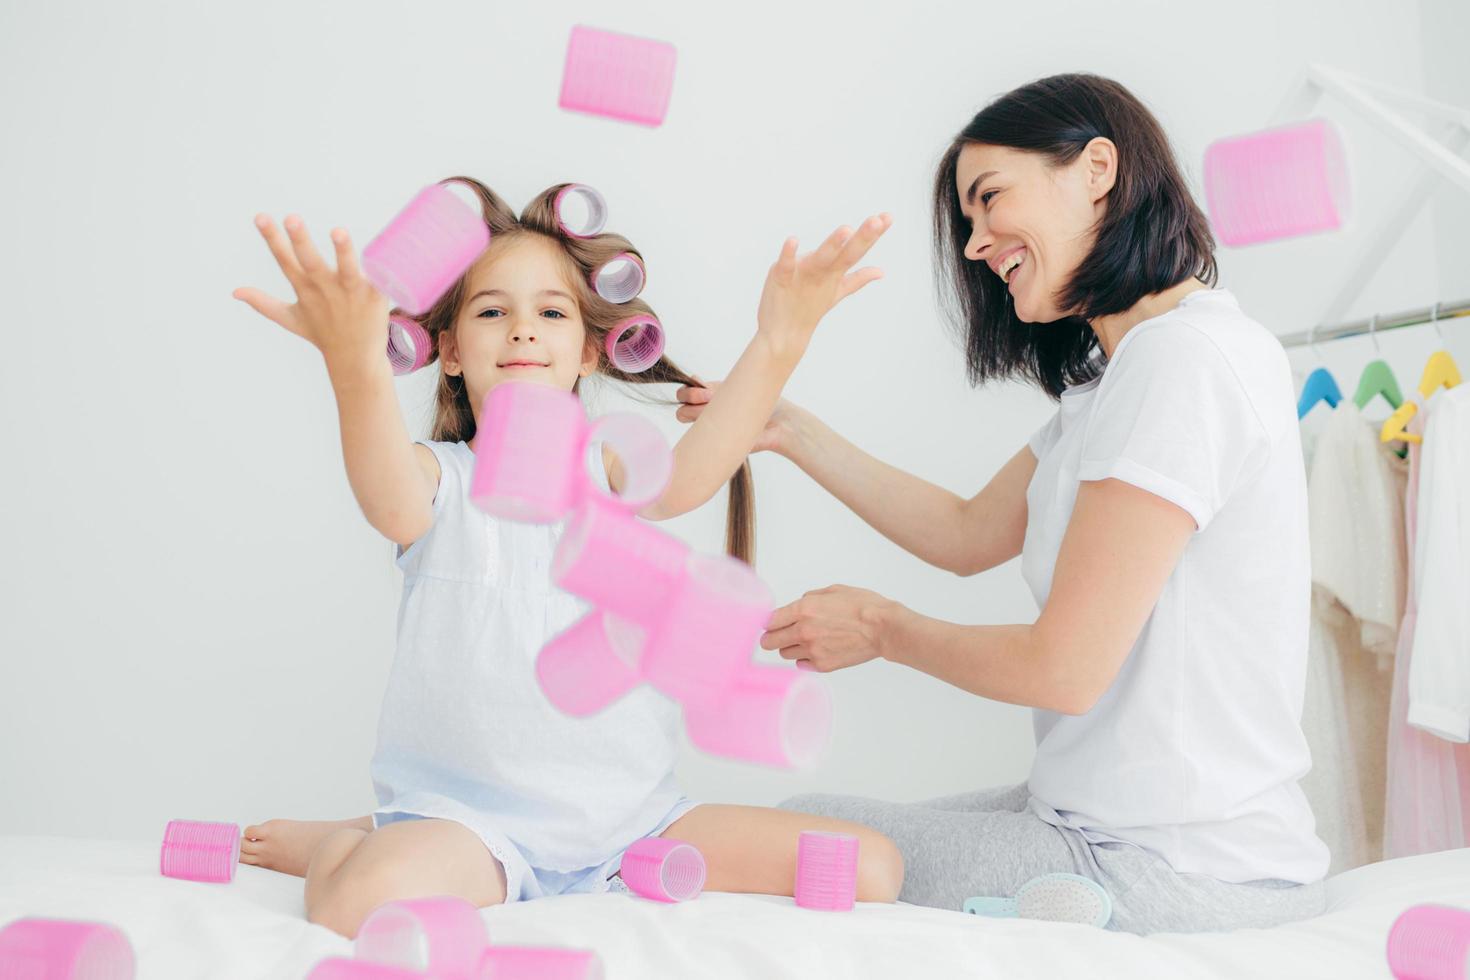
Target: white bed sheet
{"x":254,"y":927}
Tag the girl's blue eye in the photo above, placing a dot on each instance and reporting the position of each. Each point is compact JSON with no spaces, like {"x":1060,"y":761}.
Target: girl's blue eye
{"x":558,"y":313}
{"x":486,"y":313}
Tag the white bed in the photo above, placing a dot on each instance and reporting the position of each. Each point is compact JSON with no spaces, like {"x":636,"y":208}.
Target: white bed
{"x":254,"y":928}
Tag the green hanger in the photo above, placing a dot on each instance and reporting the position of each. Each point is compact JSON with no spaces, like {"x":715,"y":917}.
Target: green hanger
{"x":1377,"y":378}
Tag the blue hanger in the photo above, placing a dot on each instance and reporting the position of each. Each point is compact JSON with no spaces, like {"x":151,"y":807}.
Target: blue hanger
{"x":1320,"y":386}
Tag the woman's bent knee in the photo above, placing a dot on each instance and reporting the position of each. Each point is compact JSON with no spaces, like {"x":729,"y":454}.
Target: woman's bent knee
{"x":880,"y":869}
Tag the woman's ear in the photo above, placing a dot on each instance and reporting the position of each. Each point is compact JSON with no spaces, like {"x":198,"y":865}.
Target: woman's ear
{"x":1100,"y":158}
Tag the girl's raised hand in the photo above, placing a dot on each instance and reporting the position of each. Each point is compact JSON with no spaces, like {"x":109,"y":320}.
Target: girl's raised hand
{"x":336,"y":310}
{"x":800,"y":290}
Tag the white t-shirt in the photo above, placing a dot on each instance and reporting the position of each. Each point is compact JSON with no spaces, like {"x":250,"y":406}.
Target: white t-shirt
{"x":1195,"y":750}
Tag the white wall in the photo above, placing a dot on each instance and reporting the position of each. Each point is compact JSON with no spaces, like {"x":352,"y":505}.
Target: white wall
{"x":197,"y":621}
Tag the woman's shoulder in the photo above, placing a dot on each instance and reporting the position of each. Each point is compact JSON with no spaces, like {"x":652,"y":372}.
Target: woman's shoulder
{"x":1215,"y":356}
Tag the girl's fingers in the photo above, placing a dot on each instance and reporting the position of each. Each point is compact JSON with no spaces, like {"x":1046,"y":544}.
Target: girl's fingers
{"x":688,"y":413}
{"x":869,"y":232}
{"x":306,"y":253}
{"x":780,"y":639}
{"x":347,"y":268}
{"x":280,"y":247}
{"x":854,"y":281}
{"x":786,"y":261}
{"x":690,"y":395}
{"x":832,"y":247}
{"x":268,"y":306}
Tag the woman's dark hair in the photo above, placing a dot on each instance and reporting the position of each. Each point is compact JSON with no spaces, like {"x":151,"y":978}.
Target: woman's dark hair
{"x":1152,"y":234}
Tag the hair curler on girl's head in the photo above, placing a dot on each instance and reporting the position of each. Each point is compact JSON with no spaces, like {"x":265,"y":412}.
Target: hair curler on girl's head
{"x":587,"y":254}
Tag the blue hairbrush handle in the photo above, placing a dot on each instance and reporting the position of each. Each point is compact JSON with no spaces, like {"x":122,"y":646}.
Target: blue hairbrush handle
{"x":996,"y":908}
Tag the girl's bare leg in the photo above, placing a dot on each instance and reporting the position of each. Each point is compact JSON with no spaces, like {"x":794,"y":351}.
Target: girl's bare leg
{"x":287,"y":845}
{"x":354,"y":871}
{"x":753,"y":849}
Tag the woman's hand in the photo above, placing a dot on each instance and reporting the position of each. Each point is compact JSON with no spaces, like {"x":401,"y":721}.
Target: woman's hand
{"x":832,"y":628}
{"x":800,"y":290}
{"x":337,"y":310}
{"x":776,"y":435}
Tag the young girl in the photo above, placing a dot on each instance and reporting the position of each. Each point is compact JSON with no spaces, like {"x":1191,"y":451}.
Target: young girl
{"x":485,"y":790}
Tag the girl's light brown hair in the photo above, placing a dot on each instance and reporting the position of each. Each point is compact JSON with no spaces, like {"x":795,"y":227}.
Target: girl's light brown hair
{"x":454,"y":419}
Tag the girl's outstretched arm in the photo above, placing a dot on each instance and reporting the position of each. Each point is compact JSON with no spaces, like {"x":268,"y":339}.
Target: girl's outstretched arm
{"x":798,"y":292}
{"x":340,"y":313}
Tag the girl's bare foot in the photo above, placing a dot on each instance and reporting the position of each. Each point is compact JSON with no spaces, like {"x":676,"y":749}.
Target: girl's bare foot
{"x":287,"y":845}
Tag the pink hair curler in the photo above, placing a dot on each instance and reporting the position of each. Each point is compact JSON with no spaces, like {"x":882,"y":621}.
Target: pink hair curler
{"x":772,"y":715}
{"x":342,"y":968}
{"x":430,"y":243}
{"x":826,"y":871}
{"x":61,"y":949}
{"x":634,"y":345}
{"x":540,"y":963}
{"x":443,"y":936}
{"x":197,"y":851}
{"x":529,"y":452}
{"x":644,"y":453}
{"x":620,"y":278}
{"x":1430,"y":942}
{"x":708,"y":629}
{"x":1277,"y":183}
{"x":408,"y":345}
{"x":663,"y":869}
{"x":618,"y":76}
{"x":619,"y":563}
{"x":590,"y":665}
{"x":581,"y":211}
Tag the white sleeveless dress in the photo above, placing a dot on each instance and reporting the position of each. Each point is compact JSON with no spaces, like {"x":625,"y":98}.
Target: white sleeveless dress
{"x":465,"y":732}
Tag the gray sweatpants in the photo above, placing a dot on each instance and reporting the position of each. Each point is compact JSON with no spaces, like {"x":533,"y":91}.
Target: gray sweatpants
{"x":990,"y":843}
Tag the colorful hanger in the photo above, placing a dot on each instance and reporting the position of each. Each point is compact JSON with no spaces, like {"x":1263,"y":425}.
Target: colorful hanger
{"x":1441,"y":371}
{"x":1320,"y":385}
{"x":1377,"y":379}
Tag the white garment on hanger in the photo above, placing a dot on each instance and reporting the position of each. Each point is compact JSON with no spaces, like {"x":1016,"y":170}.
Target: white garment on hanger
{"x":1355,"y":513}
{"x":1439,"y":674}
{"x":1355,"y":500}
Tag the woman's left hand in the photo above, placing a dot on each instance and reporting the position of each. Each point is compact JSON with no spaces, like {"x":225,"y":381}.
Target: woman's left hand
{"x":832,"y":628}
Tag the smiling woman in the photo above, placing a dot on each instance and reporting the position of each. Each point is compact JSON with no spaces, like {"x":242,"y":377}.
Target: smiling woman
{"x":1160,"y":517}
{"x":1107,"y":236}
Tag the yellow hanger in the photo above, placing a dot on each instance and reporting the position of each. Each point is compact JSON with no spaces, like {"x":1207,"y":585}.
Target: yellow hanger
{"x":1440,"y":372}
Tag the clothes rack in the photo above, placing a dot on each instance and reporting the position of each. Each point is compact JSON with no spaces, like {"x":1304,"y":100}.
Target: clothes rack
{"x":1441,"y":314}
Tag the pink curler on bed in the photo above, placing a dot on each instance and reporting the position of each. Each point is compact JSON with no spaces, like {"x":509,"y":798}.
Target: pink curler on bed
{"x":443,"y":936}
{"x":618,"y":76}
{"x":1277,"y":183}
{"x":708,"y":630}
{"x":621,"y":278}
{"x":1430,"y":942}
{"x":430,"y":243}
{"x":581,"y":211}
{"x":826,"y":871}
{"x":529,"y":454}
{"x":343,"y":968}
{"x":619,"y":563}
{"x":61,"y":949}
{"x":590,"y":665}
{"x":199,"y":851}
{"x":771,"y":715}
{"x":663,"y":869}
{"x":634,"y":345}
{"x":540,"y":963}
{"x":408,"y":345}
